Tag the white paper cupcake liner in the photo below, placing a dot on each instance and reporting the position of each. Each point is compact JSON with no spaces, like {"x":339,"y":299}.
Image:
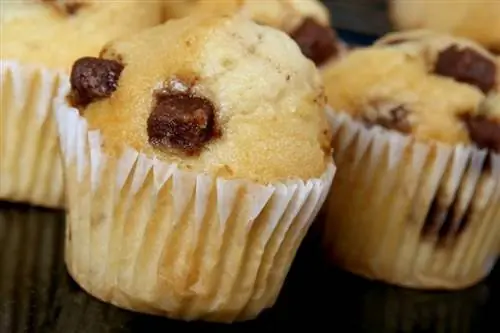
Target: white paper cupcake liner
{"x":414,"y":214}
{"x":147,"y":236}
{"x":30,"y":166}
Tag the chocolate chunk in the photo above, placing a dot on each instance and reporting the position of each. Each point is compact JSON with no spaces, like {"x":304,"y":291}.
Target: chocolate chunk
{"x":446,"y":219}
{"x":396,"y":41}
{"x":92,"y":79}
{"x":72,"y":8}
{"x":468,"y":66}
{"x":484,"y":132}
{"x":396,"y":119}
{"x":181,"y":121}
{"x":488,"y":164}
{"x":317,"y":42}
{"x":68,"y":7}
{"x":495,"y":51}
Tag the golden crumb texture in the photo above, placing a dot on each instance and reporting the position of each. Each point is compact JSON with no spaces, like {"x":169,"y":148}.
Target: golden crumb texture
{"x":174,"y":9}
{"x":415,"y":82}
{"x":285,"y":15}
{"x":55,"y":33}
{"x":478,"y":20}
{"x":268,"y":98}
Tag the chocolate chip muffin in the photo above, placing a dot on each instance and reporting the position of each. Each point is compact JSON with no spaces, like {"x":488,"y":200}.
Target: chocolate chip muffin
{"x":40,"y":41}
{"x":477,"y":20}
{"x":306,"y":21}
{"x":174,"y":9}
{"x":416,"y":201}
{"x":81,"y":27}
{"x":197,"y":154}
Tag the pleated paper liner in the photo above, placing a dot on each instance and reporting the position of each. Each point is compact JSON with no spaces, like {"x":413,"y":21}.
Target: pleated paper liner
{"x":30,"y":167}
{"x":147,"y":236}
{"x":38,"y":296}
{"x":409,"y":213}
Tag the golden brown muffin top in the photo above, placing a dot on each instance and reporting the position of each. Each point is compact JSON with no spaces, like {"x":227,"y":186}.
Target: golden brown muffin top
{"x":55,"y":33}
{"x":306,"y":21}
{"x":432,"y":86}
{"x":178,"y":8}
{"x":284,"y":15}
{"x":217,"y":94}
{"x":478,"y":20}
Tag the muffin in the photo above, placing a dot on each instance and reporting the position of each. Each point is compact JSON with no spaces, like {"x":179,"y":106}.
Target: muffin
{"x":197,"y":154}
{"x":174,"y":9}
{"x":40,"y":41}
{"x":416,"y":137}
{"x":306,"y":21}
{"x":476,"y":20}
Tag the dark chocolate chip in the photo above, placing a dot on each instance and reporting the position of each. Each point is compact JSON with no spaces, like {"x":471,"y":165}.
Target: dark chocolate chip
{"x":397,"y":120}
{"x":93,"y":79}
{"x":484,"y":132}
{"x":488,"y":164}
{"x":181,"y":121}
{"x":468,"y":66}
{"x":396,"y":41}
{"x":72,"y":8}
{"x":446,"y":220}
{"x":67,"y":7}
{"x":495,"y":51}
{"x":317,"y":42}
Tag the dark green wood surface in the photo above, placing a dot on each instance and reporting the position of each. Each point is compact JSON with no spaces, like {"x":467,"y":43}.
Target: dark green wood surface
{"x":37,"y":295}
{"x":368,"y":17}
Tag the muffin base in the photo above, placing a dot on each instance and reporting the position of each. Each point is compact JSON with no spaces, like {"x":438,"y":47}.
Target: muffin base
{"x":30,"y":167}
{"x":411,"y":214}
{"x":147,"y":236}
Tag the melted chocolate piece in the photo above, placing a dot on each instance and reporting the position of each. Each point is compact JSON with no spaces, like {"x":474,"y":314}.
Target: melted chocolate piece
{"x":495,"y":51}
{"x":92,"y":79}
{"x":396,"y":120}
{"x":447,"y":218}
{"x":181,"y":121}
{"x":396,"y":41}
{"x":484,"y":132}
{"x":317,"y":42}
{"x":443,"y":222}
{"x":467,"y":66}
{"x":67,"y":7}
{"x":72,"y":8}
{"x":488,"y":164}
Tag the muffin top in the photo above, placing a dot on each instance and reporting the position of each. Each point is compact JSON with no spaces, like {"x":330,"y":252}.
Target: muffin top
{"x":215,"y":94}
{"x":477,"y":20}
{"x":306,"y":21}
{"x":55,"y":33}
{"x":178,"y":8}
{"x":434,"y":87}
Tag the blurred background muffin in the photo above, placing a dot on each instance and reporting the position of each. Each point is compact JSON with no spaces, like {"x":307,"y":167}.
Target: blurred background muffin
{"x":53,"y":34}
{"x":174,"y":9}
{"x":416,"y":200}
{"x":40,"y":41}
{"x":477,"y":20}
{"x":202,"y":167}
{"x":306,"y":21}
